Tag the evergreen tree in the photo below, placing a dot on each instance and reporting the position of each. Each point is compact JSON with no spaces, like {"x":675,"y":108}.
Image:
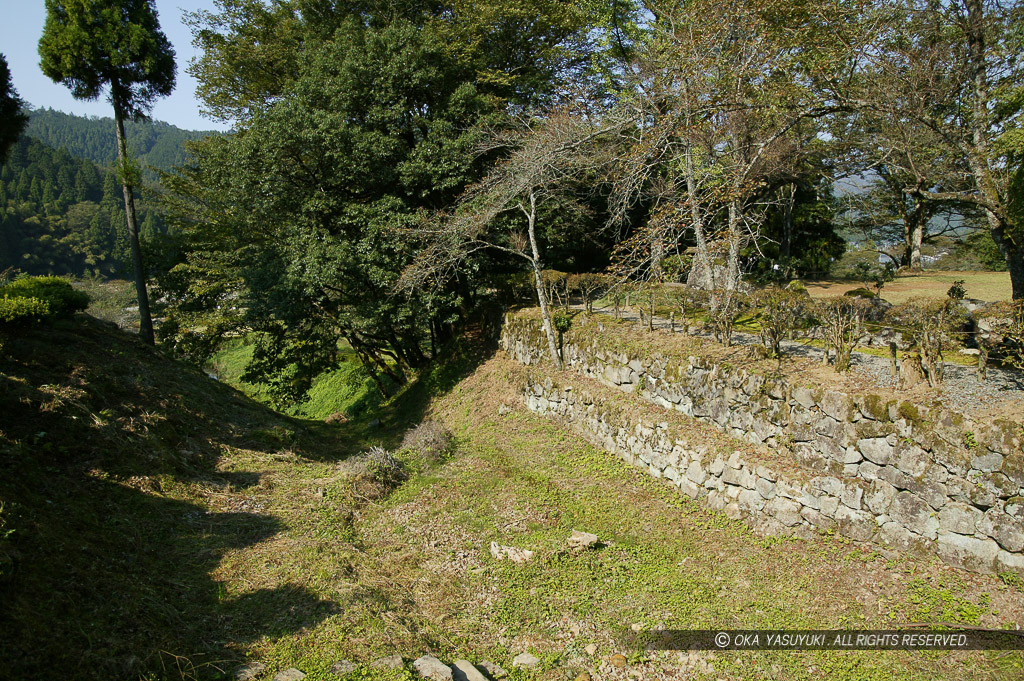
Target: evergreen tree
{"x":12,"y":115}
{"x":91,"y":45}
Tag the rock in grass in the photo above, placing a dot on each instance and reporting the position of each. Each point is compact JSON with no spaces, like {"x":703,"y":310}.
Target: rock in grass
{"x":617,"y":661}
{"x":343,"y":667}
{"x":579,"y":541}
{"x":526,"y":661}
{"x":432,"y":668}
{"x":292,"y":674}
{"x":250,"y":671}
{"x":463,"y":670}
{"x":494,"y":669}
{"x":389,"y":662}
{"x":510,"y":553}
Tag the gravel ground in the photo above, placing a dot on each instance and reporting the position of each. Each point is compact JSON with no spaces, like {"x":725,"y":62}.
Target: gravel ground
{"x":960,"y":391}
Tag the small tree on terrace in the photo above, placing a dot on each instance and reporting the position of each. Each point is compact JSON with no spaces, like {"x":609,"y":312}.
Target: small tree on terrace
{"x":545,"y":157}
{"x":841,"y":322}
{"x":91,"y":45}
{"x":780,"y":311}
{"x":932,"y":326}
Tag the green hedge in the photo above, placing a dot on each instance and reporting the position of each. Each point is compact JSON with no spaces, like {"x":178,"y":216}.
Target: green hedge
{"x":61,"y":299}
{"x":13,"y":310}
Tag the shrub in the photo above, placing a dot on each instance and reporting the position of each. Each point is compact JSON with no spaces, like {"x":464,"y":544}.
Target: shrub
{"x":781,"y":312}
{"x":861,"y":293}
{"x":957,"y":291}
{"x":1000,"y":330}
{"x":430,"y":439}
{"x":725,"y":309}
{"x":61,"y":298}
{"x":378,"y":473}
{"x":588,"y":285}
{"x":385,"y":468}
{"x":840,"y":321}
{"x":556,"y":285}
{"x":931,"y":326}
{"x":19,"y":310}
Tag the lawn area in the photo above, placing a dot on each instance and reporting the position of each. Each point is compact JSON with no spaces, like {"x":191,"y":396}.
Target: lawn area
{"x":987,"y":286}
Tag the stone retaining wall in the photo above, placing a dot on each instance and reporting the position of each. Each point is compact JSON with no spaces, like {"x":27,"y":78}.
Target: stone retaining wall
{"x":891,"y":473}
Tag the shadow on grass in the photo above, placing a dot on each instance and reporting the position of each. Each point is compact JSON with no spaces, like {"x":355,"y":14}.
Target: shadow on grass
{"x":101,"y":574}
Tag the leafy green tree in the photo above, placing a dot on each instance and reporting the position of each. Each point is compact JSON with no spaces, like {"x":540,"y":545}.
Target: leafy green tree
{"x":299,"y":225}
{"x":91,"y":45}
{"x":12,"y":115}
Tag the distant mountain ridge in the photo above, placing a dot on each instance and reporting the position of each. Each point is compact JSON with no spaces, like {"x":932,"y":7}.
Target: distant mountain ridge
{"x":153,"y":143}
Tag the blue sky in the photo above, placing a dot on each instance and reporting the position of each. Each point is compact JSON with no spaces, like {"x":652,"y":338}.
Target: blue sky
{"x":22,"y":25}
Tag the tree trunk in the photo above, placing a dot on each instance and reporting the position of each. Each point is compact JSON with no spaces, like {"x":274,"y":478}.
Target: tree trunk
{"x":542,"y":298}
{"x":703,"y":258}
{"x":913,"y":236}
{"x":732,"y":275}
{"x":785,"y":243}
{"x":978,"y":160}
{"x":145,"y":319}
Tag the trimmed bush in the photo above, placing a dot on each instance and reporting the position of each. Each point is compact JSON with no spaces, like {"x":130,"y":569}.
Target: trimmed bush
{"x":861,"y":293}
{"x":28,"y":310}
{"x":61,"y":298}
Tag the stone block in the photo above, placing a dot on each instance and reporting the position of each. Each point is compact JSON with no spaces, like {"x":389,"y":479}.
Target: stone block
{"x":828,"y":506}
{"x":996,"y":483}
{"x":1005,"y":529}
{"x":764,"y":487}
{"x":895,"y":477}
{"x":910,"y":511}
{"x":852,"y":495}
{"x":829,"y":427}
{"x":987,"y":461}
{"x":911,"y":460}
{"x":785,"y":510}
{"x":689,"y":488}
{"x":868,"y":471}
{"x":828,"y":485}
{"x":803,"y":397}
{"x":1009,"y":562}
{"x":695,"y":472}
{"x":837,"y":405}
{"x":817,"y":519}
{"x":894,"y":534}
{"x":750,"y":501}
{"x":966,"y":552}
{"x":959,"y":517}
{"x":856,"y":525}
{"x":875,"y":449}
{"x":969,"y":493}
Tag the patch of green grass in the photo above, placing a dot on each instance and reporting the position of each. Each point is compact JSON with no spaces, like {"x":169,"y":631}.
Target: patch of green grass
{"x":347,"y":389}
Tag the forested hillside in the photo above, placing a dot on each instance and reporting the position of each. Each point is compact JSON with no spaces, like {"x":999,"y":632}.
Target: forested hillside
{"x":155,"y":145}
{"x":63,"y":215}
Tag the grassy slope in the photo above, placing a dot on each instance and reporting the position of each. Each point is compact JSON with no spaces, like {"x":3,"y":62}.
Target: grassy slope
{"x":166,"y":526}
